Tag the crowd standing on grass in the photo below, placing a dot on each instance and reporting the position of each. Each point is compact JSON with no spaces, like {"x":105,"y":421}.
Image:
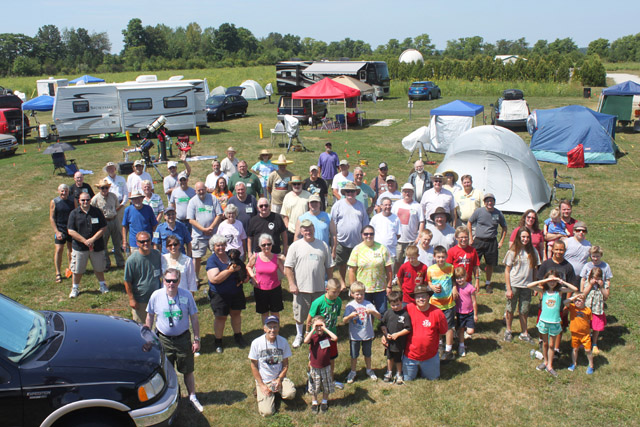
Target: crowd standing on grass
{"x":412,"y":266}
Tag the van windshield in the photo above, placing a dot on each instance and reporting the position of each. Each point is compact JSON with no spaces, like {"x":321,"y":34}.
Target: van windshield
{"x":21,"y":329}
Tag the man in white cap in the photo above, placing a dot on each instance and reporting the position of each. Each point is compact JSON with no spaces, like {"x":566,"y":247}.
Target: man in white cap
{"x":108,"y":203}
{"x":438,"y":197}
{"x":392,"y":192}
{"x":204,"y":214}
{"x":379,"y":183}
{"x":316,"y":185}
{"x":251,"y":181}
{"x":229,"y":165}
{"x":134,"y":181}
{"x":341,"y":179}
{"x":137,"y":217}
{"x":295,"y":203}
{"x":118,"y":187}
{"x":278,"y":182}
{"x":409,"y":212}
{"x":212,"y":178}
{"x":420,"y":179}
{"x":171,"y":180}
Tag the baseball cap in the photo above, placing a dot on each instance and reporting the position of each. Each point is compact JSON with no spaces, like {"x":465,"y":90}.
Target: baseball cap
{"x":138,"y":163}
{"x":271,"y":319}
{"x":382,"y":165}
{"x":313,"y":167}
{"x":306,"y":223}
{"x":183,"y":174}
{"x":172,"y":165}
{"x":344,"y":162}
{"x":390,"y":178}
{"x":489,"y":196}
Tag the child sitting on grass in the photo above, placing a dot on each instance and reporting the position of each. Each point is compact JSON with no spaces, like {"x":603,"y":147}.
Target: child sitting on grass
{"x":411,"y":274}
{"x":319,"y":339}
{"x":445,"y":295}
{"x":358,"y":314}
{"x":580,"y":328}
{"x":466,"y":308}
{"x":396,"y":325}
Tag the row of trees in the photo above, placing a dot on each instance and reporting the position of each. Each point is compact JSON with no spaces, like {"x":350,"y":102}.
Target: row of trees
{"x":158,"y":47}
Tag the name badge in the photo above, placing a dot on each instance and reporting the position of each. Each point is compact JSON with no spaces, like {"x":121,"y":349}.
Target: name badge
{"x":184,"y":300}
{"x":183,"y":200}
{"x":248,"y":184}
{"x":156,"y":235}
{"x":325,"y":344}
{"x":95,"y":220}
{"x":313,"y":257}
{"x":157,"y":273}
{"x":249,"y":209}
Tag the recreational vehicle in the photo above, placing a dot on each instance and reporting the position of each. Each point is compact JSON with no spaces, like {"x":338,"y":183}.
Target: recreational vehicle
{"x":292,"y":76}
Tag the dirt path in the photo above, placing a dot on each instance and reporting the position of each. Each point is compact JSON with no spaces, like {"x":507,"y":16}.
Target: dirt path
{"x":622,"y":77}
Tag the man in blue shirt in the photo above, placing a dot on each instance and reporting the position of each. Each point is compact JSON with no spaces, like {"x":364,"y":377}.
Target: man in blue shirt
{"x":328,"y":163}
{"x":171,"y":227}
{"x":137,"y":217}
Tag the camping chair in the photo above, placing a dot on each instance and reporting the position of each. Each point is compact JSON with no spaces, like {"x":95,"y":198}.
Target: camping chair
{"x":60,"y":162}
{"x":563,"y":185}
{"x":278,"y":130}
{"x":340,"y":121}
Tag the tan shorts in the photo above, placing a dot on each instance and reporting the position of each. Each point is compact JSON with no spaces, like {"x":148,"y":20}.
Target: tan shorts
{"x":199,"y":247}
{"x":267,"y":404}
{"x":302,"y":304}
{"x":139,"y":314}
{"x":79,"y":261}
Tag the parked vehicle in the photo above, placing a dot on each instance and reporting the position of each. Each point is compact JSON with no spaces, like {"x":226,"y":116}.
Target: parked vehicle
{"x":301,"y":109}
{"x":80,"y":369}
{"x":11,"y":115}
{"x":8,"y":144}
{"x":424,"y":90}
{"x":510,"y":110}
{"x":220,"y":107}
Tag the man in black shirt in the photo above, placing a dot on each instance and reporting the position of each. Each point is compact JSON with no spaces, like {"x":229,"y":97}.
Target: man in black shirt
{"x":246,"y":204}
{"x":79,"y":187}
{"x":316,"y":185}
{"x":270,"y":223}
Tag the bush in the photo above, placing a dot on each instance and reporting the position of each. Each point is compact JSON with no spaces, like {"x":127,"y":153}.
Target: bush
{"x":592,"y":72}
{"x":24,"y":66}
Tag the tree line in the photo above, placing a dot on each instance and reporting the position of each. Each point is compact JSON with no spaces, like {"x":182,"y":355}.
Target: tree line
{"x":70,"y":51}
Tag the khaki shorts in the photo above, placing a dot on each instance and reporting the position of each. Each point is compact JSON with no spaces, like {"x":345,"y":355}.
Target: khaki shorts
{"x":302,"y":305}
{"x":199,"y":247}
{"x":342,"y":254}
{"x":267,"y":404}
{"x":79,"y":261}
{"x":178,"y":351}
{"x":140,"y":314}
{"x":522,"y":297}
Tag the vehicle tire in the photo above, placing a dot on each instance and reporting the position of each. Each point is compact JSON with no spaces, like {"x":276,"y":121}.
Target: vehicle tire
{"x":429,"y":96}
{"x":97,"y":418}
{"x":222,"y":116}
{"x":439,"y":95}
{"x":243,"y":113}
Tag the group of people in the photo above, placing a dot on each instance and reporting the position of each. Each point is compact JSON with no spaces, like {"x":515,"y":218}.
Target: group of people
{"x":416,"y":247}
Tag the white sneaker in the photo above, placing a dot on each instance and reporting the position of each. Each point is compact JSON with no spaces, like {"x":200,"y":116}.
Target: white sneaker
{"x":338,"y":385}
{"x":298,"y":341}
{"x":462,"y":351}
{"x":74,"y":292}
{"x":104,"y":289}
{"x":196,"y":404}
{"x":350,"y":377}
{"x":372,"y":375}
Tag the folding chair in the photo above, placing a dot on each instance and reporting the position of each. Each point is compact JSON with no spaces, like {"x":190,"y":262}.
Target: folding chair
{"x":278,"y":130}
{"x":60,"y":162}
{"x":563,"y":185}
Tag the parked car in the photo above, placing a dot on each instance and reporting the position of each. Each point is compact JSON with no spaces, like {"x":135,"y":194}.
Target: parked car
{"x":301,"y":109}
{"x":8,"y":144}
{"x":424,"y":90}
{"x":219,"y":107}
{"x":80,"y":369}
{"x":510,"y":110}
{"x":11,"y":115}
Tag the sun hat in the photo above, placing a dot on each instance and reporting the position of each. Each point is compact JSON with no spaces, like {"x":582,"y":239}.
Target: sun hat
{"x":282,"y":160}
{"x":408,"y":186}
{"x":136,"y":194}
{"x":455,"y":175}
{"x":440,"y":211}
{"x":103,"y":183}
{"x":264,"y":152}
{"x":231,"y":149}
{"x":104,"y":169}
{"x":295,"y":179}
{"x":350,"y":186}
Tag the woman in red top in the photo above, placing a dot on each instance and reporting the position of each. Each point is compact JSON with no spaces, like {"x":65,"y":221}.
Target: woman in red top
{"x":529,"y":219}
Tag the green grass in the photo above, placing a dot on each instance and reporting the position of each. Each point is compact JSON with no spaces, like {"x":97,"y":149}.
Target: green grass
{"x":496,"y":384}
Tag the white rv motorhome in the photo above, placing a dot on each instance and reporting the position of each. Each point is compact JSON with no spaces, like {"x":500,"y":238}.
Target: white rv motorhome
{"x":119,"y":107}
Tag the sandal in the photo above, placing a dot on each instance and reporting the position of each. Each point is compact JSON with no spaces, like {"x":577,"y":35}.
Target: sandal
{"x":58,"y":278}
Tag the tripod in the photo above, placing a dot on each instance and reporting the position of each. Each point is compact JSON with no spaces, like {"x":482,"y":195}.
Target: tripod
{"x":145,"y":145}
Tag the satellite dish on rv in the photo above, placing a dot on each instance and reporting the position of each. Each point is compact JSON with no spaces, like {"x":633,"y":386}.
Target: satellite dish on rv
{"x":411,"y":55}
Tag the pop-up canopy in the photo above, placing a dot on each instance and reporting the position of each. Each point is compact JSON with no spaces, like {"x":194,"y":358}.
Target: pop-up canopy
{"x":327,"y":89}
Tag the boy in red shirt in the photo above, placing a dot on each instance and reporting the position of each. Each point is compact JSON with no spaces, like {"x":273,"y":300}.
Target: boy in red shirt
{"x":319,"y":339}
{"x":465,"y":255}
{"x":411,"y":274}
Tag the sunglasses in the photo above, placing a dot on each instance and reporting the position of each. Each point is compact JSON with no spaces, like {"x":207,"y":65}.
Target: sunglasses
{"x":144,"y":242}
{"x":384,"y":169}
{"x":295,"y":184}
{"x":349,"y":191}
{"x":173,"y":245}
{"x":266,"y":245}
{"x":580,"y":231}
{"x":263,"y":206}
{"x":171,"y":280}
{"x":84,"y":200}
{"x":106,"y":187}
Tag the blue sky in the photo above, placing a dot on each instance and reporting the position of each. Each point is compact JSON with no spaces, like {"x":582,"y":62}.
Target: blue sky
{"x":373,"y":21}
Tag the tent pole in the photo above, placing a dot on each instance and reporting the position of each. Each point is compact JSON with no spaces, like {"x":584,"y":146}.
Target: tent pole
{"x":346,"y":125}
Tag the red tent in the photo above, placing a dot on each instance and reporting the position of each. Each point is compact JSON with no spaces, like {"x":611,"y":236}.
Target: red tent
{"x":327,"y":89}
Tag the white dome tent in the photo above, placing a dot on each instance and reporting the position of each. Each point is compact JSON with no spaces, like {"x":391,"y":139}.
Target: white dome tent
{"x":499,"y":162}
{"x":252,"y":90}
{"x":411,"y":55}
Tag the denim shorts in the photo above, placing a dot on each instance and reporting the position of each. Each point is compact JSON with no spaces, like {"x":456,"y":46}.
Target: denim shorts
{"x":355,"y":348}
{"x":429,"y":369}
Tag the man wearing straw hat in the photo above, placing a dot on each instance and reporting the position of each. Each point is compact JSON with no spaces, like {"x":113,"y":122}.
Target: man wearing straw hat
{"x":278,"y":182}
{"x":108,"y":203}
{"x":295,"y":203}
{"x":263,"y":168}
{"x":229,"y":164}
{"x":251,"y":181}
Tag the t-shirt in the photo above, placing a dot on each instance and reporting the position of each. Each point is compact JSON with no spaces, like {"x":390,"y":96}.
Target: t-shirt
{"x":564,"y":269}
{"x":521,"y":273}
{"x":366,"y":194}
{"x":185,"y":266}
{"x":170,"y":182}
{"x":319,"y":188}
{"x":328,"y":163}
{"x":410,"y":216}
{"x":309,"y":261}
{"x":349,"y":220}
{"x":272,"y":225}
{"x":466,"y":257}
{"x":580,"y":319}
{"x":425,"y":256}
{"x":134,"y":181}
{"x":204,"y":212}
{"x":75,"y":191}
{"x":426,"y":328}
{"x":234,"y":233}
{"x":178,"y":308}
{"x":278,"y":181}
{"x":556,"y":227}
{"x":431,"y":200}
{"x":251,"y":181}
{"x":87,"y":225}
{"x":163,"y":231}
{"x":269,"y":356}
{"x":330,"y":310}
{"x":246,"y":210}
{"x":607,"y":274}
{"x":119,"y":188}
{"x":464,"y":303}
{"x":339,"y":181}
{"x":486,"y":223}
{"x":445,"y":237}
{"x":537,"y":237}
{"x":212,"y":180}
{"x":321,"y":225}
{"x":320,"y":350}
{"x":230,"y":285}
{"x":228,"y":166}
{"x":396,"y":321}
{"x":443,"y":277}
{"x":577,"y":253}
{"x":387,"y":230}
{"x":409,"y":277}
{"x":180,"y":199}
{"x":361,"y":326}
{"x":394,"y":197}
{"x":467,"y":203}
{"x":144,"y":272}
{"x":294,"y":205}
{"x":155,"y":202}
{"x":138,"y":220}
{"x":264,"y":169}
{"x":370,"y":264}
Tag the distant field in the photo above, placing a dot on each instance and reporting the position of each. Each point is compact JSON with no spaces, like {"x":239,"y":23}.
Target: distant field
{"x":495,"y":384}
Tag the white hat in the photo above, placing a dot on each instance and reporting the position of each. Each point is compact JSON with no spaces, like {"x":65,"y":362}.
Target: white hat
{"x":408,"y":186}
{"x":138,"y":163}
{"x":172,"y":165}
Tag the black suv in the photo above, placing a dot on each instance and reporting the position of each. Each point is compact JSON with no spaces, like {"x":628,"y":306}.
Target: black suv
{"x":72,"y":369}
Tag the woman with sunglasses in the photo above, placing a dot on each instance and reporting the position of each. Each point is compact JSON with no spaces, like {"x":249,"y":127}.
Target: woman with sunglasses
{"x":529,"y":219}
{"x":222,"y":192}
{"x":263,"y":269}
{"x":174,"y":258}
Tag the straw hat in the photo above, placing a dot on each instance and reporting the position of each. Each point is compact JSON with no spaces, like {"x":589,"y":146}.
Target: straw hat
{"x":265,"y":152}
{"x":282,"y":160}
{"x":103,"y":183}
{"x":455,"y":175}
{"x":350,"y":186}
{"x":231,"y":149}
{"x":440,"y":211}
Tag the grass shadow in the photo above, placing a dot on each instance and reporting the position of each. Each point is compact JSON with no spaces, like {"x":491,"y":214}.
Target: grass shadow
{"x":187,"y":414}
{"x":12,"y":265}
{"x":221,"y":397}
{"x":483,"y":308}
{"x":494,"y":326}
{"x":358,"y":395}
{"x":612,"y":336}
{"x":482,"y":346}
{"x":452,"y":369}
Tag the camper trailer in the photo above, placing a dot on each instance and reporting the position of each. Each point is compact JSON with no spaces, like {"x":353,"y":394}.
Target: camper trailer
{"x":50,"y":86}
{"x":119,"y":107}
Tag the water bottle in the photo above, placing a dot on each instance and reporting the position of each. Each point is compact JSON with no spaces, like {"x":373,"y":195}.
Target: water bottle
{"x":535,"y":354}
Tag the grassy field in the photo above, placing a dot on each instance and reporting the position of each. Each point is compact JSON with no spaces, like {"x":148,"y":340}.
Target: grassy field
{"x":495,"y":384}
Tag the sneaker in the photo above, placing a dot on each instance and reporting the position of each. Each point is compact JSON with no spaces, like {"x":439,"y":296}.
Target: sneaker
{"x":350,"y":377}
{"x":104,"y":289}
{"x":219,"y":349}
{"x":541,"y":367}
{"x":462,"y":351}
{"x":394,"y":282}
{"x":338,"y":385}
{"x":74,"y":292}
{"x":466,"y":336}
{"x":448,"y":355}
{"x":240,"y":341}
{"x":552,"y":372}
{"x":589,"y":370}
{"x":595,"y":350}
{"x":324,"y":407}
{"x":196,"y":354}
{"x":372,"y":375}
{"x":399,"y":380}
{"x":196,"y":404}
{"x":315,"y":408}
{"x":525,"y":338}
{"x":572,"y":368}
{"x":508,"y":336}
{"x":388,"y":377}
{"x":298,"y":341}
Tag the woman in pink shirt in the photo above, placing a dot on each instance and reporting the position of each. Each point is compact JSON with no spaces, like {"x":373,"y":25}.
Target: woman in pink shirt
{"x":263,"y":270}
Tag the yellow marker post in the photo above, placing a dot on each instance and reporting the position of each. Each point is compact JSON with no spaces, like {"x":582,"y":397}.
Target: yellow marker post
{"x":261,"y":135}
{"x":198,"y":133}
{"x":128,"y":135}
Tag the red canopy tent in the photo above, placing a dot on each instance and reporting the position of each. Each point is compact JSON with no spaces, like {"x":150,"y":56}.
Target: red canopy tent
{"x":327,"y":89}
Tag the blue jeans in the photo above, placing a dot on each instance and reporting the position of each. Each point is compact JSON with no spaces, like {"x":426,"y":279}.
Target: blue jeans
{"x":429,"y":369}
{"x":378,"y":299}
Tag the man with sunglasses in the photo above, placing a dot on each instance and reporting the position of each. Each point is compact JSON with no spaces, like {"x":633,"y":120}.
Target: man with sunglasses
{"x":578,"y":247}
{"x":108,"y":203}
{"x":86,"y":225}
{"x":270,"y":223}
{"x":172,"y":309}
{"x":142,"y":276}
{"x":171,"y":227}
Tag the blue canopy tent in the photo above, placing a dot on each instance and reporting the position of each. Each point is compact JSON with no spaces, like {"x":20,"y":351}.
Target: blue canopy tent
{"x":626,"y":88}
{"x":87,"y":79}
{"x":458,"y":108}
{"x":618,"y":101}
{"x":559,"y":130}
{"x":41,"y":103}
